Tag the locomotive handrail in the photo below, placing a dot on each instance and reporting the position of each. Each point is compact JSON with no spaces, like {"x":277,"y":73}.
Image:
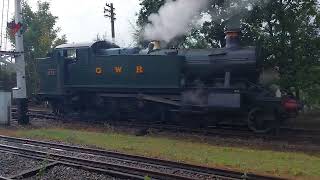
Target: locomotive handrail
{"x":218,"y":54}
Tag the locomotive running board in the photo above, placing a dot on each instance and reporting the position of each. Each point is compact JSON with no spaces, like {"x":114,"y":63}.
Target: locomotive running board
{"x":158,"y":100}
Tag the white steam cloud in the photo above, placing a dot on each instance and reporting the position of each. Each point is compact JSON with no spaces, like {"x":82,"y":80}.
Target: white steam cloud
{"x":175,"y":18}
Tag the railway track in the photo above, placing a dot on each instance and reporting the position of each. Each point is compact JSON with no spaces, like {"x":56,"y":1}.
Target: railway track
{"x":285,"y":133}
{"x":34,"y":113}
{"x":116,"y":164}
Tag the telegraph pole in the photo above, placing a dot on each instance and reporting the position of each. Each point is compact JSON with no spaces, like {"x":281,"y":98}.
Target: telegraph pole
{"x":20,"y":92}
{"x":109,"y":13}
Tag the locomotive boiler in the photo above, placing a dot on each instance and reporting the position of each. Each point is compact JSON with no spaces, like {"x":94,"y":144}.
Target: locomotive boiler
{"x":188,"y":86}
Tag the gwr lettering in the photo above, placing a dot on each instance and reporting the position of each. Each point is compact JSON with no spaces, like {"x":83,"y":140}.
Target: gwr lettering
{"x":139,"y":69}
{"x":117,"y":69}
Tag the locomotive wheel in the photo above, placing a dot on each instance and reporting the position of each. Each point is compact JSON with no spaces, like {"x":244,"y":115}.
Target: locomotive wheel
{"x":151,"y":112}
{"x":257,"y":121}
{"x":114,"y":110}
{"x":58,"y":110}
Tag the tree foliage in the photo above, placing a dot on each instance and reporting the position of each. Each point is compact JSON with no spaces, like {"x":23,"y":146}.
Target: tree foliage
{"x":147,"y":8}
{"x":288,"y":32}
{"x":40,"y":37}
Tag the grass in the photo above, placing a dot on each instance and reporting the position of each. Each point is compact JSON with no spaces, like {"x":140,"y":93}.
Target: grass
{"x":294,"y":165}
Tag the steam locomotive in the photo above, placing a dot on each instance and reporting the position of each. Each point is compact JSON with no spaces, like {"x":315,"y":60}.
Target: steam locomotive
{"x":188,"y":86}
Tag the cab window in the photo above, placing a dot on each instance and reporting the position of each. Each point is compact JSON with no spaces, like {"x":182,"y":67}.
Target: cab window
{"x":70,"y":54}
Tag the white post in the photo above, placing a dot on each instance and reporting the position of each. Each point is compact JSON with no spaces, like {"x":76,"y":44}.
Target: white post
{"x":5,"y":107}
{"x":20,"y":92}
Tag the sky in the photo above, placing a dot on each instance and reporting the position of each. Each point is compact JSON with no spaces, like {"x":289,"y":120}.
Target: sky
{"x":82,"y":20}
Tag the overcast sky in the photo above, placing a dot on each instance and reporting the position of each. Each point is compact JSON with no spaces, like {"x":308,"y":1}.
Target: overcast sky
{"x":82,"y":20}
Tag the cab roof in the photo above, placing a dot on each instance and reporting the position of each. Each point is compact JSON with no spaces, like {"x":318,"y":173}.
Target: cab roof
{"x":98,"y":44}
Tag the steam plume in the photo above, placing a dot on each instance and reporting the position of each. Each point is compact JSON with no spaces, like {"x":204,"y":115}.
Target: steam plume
{"x":175,"y":18}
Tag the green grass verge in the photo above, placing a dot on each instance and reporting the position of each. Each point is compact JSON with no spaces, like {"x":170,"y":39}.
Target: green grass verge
{"x":248,"y":160}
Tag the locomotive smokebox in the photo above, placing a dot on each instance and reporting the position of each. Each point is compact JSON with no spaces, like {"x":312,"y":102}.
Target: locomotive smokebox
{"x":233,"y":38}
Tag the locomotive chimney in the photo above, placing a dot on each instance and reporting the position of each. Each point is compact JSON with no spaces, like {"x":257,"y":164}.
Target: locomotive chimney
{"x":233,"y":38}
{"x":153,"y":46}
{"x":156,"y":44}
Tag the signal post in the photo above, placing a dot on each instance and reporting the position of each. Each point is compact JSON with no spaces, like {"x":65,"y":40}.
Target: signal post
{"x":20,"y":92}
{"x":109,"y":13}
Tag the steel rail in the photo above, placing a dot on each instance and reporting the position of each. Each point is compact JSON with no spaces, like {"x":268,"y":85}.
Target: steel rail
{"x":209,"y":131}
{"x":158,"y":162}
{"x":287,"y":130}
{"x":124,"y":171}
{"x":287,"y":135}
{"x":98,"y":170}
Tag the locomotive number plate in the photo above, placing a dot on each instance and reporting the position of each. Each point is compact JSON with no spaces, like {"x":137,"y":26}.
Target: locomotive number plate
{"x":98,"y":70}
{"x":52,"y":72}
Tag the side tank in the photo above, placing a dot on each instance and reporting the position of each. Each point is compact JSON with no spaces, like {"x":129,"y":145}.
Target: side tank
{"x":209,"y":64}
{"x":214,"y":63}
{"x":241,"y":63}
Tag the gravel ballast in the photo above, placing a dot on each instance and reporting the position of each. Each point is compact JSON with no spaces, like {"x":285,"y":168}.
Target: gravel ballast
{"x":123,"y":162}
{"x":70,"y":173}
{"x":12,"y":164}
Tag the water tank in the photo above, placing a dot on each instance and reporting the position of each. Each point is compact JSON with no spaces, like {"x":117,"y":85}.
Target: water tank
{"x":5,"y":106}
{"x":213,"y":63}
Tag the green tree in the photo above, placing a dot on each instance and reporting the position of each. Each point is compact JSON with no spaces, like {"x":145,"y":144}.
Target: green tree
{"x":40,"y":37}
{"x":147,"y":8}
{"x":211,"y":33}
{"x":288,"y":32}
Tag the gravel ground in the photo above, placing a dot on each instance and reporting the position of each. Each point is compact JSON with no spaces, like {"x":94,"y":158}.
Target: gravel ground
{"x":121,"y":162}
{"x":70,"y":173}
{"x":13,"y":164}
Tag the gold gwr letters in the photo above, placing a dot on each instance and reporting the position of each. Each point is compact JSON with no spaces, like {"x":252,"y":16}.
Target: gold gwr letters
{"x":117,"y":69}
{"x":139,"y":69}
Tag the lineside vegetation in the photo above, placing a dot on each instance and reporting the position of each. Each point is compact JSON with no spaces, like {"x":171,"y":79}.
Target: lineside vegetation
{"x":284,"y":164}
